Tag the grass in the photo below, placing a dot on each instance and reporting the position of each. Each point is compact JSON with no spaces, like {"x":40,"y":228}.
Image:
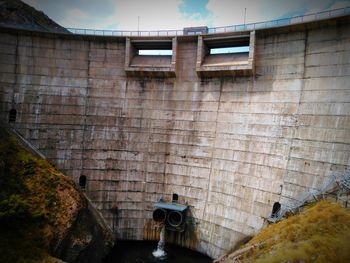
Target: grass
{"x":321,"y":233}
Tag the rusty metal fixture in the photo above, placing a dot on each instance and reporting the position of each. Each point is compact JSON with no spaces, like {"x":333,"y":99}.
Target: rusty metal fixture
{"x":114,"y":208}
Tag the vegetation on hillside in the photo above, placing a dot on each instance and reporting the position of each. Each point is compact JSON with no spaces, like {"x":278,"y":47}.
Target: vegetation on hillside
{"x":32,"y":214}
{"x":19,"y":14}
{"x":321,"y":233}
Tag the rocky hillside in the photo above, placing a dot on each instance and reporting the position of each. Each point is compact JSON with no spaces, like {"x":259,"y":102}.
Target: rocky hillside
{"x":15,"y":13}
{"x":321,"y":233}
{"x":42,"y":213}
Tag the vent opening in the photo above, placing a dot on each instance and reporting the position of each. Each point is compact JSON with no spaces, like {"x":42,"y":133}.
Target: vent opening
{"x":276,"y":207}
{"x":82,"y":181}
{"x":12,"y":115}
{"x":175,"y":198}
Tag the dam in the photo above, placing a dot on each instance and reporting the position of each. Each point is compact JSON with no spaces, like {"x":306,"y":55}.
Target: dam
{"x":231,"y":134}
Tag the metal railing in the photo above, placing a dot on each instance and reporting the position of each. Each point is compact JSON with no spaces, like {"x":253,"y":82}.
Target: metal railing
{"x":25,"y":143}
{"x":339,"y":181}
{"x":225,"y":29}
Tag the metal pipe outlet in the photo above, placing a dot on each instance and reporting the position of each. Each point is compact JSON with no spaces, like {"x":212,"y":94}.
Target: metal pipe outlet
{"x":159,"y":215}
{"x":175,"y":218}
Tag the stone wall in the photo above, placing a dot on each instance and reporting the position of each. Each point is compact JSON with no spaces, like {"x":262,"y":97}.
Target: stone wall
{"x":230,"y":146}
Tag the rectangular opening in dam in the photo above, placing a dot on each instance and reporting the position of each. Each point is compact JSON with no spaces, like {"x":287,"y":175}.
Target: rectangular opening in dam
{"x":225,"y":55}
{"x":156,"y":47}
{"x":229,"y":50}
{"x":227,"y":45}
{"x":224,"y":42}
{"x":232,"y":50}
{"x":155,"y":52}
{"x":150,"y":57}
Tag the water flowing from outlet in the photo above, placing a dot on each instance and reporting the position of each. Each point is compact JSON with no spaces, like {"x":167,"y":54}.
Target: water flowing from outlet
{"x":159,"y":252}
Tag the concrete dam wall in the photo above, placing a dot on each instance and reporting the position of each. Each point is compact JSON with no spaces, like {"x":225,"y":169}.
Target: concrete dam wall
{"x":231,"y":134}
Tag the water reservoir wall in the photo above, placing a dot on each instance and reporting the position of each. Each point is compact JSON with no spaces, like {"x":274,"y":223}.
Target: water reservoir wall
{"x":230,"y":134}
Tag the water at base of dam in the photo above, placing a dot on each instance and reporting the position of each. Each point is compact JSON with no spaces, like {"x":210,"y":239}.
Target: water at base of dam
{"x":142,"y":252}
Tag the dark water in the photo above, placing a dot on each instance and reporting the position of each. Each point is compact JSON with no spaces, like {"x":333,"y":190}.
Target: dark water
{"x":141,"y":252}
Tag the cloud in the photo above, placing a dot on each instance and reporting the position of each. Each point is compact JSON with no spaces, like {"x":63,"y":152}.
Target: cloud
{"x":339,"y":4}
{"x":154,"y":15}
{"x":123,"y":15}
{"x":75,"y":13}
{"x":195,"y":10}
{"x":74,"y":16}
{"x":174,"y":14}
{"x":31,"y":2}
{"x":231,"y":12}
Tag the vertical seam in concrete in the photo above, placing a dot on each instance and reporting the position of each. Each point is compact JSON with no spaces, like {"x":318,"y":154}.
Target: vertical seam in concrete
{"x":15,"y":83}
{"x":85,"y":108}
{"x":169,"y":128}
{"x":15,"y":72}
{"x":16,"y":67}
{"x":296,"y":116}
{"x":145,"y":173}
{"x":213,"y":150}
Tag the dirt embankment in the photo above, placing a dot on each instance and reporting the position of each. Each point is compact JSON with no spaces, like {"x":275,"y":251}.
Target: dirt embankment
{"x":320,"y":233}
{"x":42,"y":213}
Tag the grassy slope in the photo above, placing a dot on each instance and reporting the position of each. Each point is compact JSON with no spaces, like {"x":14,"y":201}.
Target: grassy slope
{"x":33,"y":215}
{"x":321,"y":233}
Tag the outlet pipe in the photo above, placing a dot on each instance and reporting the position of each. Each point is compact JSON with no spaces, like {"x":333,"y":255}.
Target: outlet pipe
{"x":159,"y":215}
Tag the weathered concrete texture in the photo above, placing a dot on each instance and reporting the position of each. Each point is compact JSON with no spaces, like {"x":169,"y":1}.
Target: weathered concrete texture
{"x":230,"y":146}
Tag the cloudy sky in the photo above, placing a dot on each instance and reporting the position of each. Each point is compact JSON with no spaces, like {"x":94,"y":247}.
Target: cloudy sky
{"x":174,"y":14}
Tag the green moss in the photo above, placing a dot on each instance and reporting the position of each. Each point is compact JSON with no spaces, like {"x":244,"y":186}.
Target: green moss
{"x":28,"y":203}
{"x":13,"y":208}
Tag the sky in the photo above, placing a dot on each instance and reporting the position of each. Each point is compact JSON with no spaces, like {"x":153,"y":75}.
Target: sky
{"x":174,"y":14}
